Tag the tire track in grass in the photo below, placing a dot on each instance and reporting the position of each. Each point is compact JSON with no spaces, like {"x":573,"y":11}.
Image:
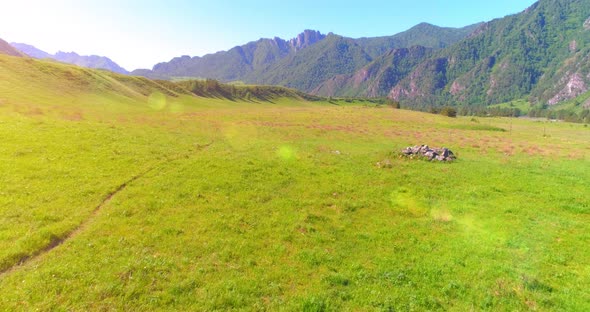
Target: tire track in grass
{"x":57,"y":241}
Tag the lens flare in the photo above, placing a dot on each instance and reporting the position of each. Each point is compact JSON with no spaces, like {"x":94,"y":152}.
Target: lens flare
{"x":240,"y":137}
{"x":441,"y":214}
{"x":157,"y":101}
{"x":286,"y":153}
{"x":404,"y":201}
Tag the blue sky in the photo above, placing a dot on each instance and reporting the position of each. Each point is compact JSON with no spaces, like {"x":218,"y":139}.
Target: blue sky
{"x":139,"y":34}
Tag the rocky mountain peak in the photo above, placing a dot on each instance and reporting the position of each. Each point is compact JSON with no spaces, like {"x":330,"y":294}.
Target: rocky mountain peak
{"x":61,"y":54}
{"x":306,"y":38}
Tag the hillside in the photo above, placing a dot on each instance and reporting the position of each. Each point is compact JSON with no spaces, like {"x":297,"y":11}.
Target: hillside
{"x":236,"y":63}
{"x":7,"y":49}
{"x":423,"y":34}
{"x":88,"y":61}
{"x":539,"y":54}
{"x":335,"y":55}
{"x":376,"y":78}
{"x":28,"y":81}
{"x":302,"y":62}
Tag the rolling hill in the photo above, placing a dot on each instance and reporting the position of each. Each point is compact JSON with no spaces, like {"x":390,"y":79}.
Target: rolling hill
{"x":31,"y":82}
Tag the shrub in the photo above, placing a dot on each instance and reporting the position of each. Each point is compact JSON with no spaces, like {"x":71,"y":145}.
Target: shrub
{"x":448,"y":111}
{"x":394,"y":104}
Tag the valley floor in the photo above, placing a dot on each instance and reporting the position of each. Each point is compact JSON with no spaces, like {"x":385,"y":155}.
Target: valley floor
{"x":221,"y":205}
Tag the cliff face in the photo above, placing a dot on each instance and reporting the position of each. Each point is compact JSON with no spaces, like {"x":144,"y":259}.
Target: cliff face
{"x":306,"y":39}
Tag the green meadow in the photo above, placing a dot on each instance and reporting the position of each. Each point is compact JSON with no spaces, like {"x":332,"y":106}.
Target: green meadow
{"x":125,"y":194}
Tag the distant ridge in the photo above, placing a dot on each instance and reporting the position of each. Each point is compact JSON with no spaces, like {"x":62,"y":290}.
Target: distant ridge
{"x":7,"y":49}
{"x":90,"y":61}
{"x":423,"y":34}
{"x":539,"y":56}
{"x":238,"y":63}
{"x":303,"y":62}
{"x":31,"y":50}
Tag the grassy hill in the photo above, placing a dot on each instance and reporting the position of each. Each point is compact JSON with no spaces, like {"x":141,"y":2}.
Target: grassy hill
{"x":122,"y":193}
{"x":28,"y":80}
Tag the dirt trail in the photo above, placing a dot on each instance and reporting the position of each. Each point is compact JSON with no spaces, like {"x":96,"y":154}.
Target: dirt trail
{"x":57,"y":241}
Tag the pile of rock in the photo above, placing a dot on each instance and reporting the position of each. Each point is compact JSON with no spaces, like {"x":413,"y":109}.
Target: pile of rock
{"x":430,"y":153}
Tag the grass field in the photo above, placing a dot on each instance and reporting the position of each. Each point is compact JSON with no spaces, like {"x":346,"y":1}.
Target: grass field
{"x":117,"y":197}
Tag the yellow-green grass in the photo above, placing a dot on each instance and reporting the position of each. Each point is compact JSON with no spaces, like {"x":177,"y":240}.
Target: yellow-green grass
{"x":523,"y":105}
{"x":281,"y":206}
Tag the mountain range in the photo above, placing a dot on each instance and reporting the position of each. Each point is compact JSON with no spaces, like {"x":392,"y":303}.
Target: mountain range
{"x":89,"y":61}
{"x":303,"y":62}
{"x":539,"y":55}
